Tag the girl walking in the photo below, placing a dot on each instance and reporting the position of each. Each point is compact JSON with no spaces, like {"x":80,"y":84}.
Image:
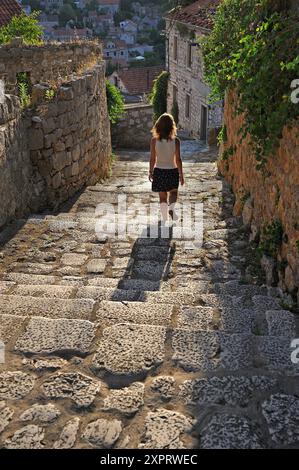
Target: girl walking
{"x":166,"y":170}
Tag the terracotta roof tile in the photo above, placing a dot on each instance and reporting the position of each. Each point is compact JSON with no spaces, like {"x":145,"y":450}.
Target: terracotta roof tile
{"x":197,"y":14}
{"x":8,"y":9}
{"x":139,"y":80}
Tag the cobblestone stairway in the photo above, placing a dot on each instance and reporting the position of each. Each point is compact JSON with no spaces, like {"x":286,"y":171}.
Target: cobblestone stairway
{"x":142,"y":342}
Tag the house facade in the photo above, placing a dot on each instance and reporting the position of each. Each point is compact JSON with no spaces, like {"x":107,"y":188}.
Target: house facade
{"x":197,"y":117}
{"x":109,"y":6}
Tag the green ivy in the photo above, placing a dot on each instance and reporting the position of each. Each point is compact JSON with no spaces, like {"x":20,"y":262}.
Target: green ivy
{"x":271,"y":238}
{"x":175,"y":112}
{"x":254,"y":50}
{"x":115,"y":103}
{"x":158,"y":96}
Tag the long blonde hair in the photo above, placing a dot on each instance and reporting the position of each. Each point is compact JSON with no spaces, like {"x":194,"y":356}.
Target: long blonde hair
{"x":165,"y":127}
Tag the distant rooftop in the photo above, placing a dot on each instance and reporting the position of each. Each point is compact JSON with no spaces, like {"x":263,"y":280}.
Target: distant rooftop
{"x":198,"y":14}
{"x":8,"y":9}
{"x":139,"y":80}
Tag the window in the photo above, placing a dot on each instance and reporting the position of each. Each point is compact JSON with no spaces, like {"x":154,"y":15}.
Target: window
{"x":174,"y":94}
{"x":189,"y":56}
{"x":122,"y":53}
{"x":175,"y":48}
{"x":114,"y":54}
{"x":116,"y":81}
{"x":187,"y":106}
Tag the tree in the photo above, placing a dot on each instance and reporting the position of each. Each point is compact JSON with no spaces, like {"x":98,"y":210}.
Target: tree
{"x":66,"y":13}
{"x":24,"y":26}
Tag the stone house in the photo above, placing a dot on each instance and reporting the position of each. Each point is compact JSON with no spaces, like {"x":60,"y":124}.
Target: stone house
{"x":197,"y":117}
{"x":116,"y":51}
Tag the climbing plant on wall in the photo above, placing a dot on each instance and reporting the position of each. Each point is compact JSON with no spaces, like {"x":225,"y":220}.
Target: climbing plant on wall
{"x":254,"y":50}
{"x":115,"y":103}
{"x":158,"y":96}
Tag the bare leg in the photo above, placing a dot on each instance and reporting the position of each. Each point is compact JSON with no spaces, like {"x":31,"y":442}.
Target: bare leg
{"x":163,"y":206}
{"x":173,"y":197}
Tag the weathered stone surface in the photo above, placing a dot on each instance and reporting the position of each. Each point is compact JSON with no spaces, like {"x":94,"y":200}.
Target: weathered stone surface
{"x":6,"y":415}
{"x":226,"y":431}
{"x":281,"y":323}
{"x":60,"y":292}
{"x":130,"y":349}
{"x":275,"y":353}
{"x":102,"y":433}
{"x":42,"y":413}
{"x":230,"y":390}
{"x":36,"y":306}
{"x":29,"y":279}
{"x":15,"y":385}
{"x":140,"y":284}
{"x":164,"y":385}
{"x":45,"y":335}
{"x":135,"y":312}
{"x":163,"y":429}
{"x":210,"y":350}
{"x":45,"y":364}
{"x":104,"y":293}
{"x":125,"y":400}
{"x":10,"y":326}
{"x":78,"y":387}
{"x":74,"y":259}
{"x":28,"y":437}
{"x":198,"y":318}
{"x":282,"y":415}
{"x":96,"y":266}
{"x":152,"y":270}
{"x":68,"y":435}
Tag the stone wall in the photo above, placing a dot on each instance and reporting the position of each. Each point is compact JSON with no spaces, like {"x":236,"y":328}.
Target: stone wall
{"x":57,"y":146}
{"x":51,"y":63}
{"x":133,"y":131}
{"x":19,"y":184}
{"x":261,"y":199}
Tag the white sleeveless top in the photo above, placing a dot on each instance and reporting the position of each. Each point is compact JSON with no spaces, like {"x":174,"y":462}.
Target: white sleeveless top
{"x":165,"y":153}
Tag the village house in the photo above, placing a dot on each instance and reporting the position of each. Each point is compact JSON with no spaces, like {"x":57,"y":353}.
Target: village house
{"x":197,"y":117}
{"x":135,"y":83}
{"x":8,"y":9}
{"x":50,"y":4}
{"x":109,"y":6}
{"x":116,"y":51}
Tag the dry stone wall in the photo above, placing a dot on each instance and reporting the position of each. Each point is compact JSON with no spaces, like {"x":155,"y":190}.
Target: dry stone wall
{"x":261,"y":200}
{"x":53,"y":62}
{"x":133,"y":130}
{"x":57,"y":146}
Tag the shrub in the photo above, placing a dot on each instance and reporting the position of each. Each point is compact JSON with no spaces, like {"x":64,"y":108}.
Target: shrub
{"x":158,"y":96}
{"x":115,"y":103}
{"x":24,"y":26}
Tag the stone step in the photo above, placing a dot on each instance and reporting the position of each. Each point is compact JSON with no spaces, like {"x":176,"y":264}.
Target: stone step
{"x":48,"y":291}
{"x":31,"y":279}
{"x":45,"y":307}
{"x":110,"y":313}
{"x":56,"y":335}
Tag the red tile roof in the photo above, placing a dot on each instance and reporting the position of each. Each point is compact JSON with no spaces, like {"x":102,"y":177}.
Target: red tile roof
{"x":139,"y":80}
{"x":8,"y":9}
{"x":197,"y":14}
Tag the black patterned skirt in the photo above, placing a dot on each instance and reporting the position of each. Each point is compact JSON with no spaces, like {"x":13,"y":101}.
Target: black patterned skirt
{"x":165,"y":180}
